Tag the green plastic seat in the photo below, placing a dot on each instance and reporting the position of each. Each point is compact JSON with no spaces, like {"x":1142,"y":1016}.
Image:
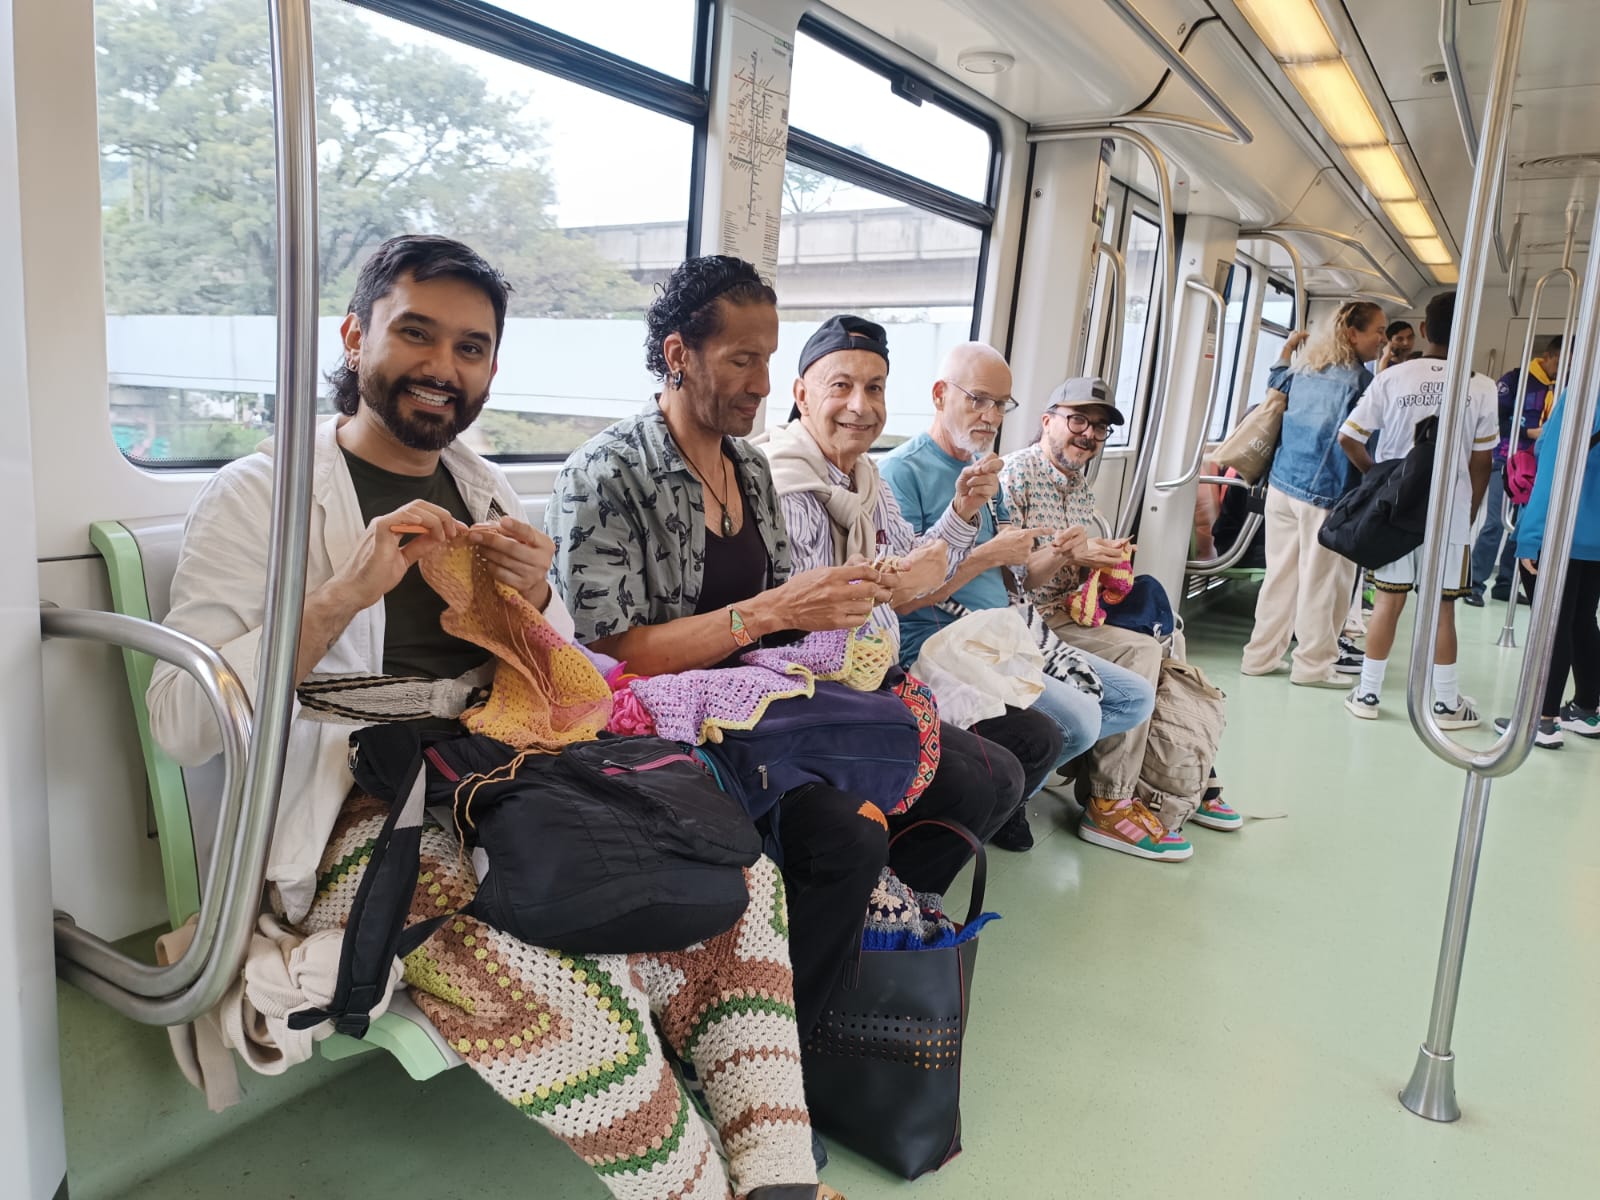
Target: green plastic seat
{"x":140,"y":558}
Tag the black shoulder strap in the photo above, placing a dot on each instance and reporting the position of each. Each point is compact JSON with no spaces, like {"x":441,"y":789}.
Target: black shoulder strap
{"x":376,"y":932}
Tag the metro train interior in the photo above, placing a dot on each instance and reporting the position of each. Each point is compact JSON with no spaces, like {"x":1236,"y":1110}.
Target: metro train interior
{"x":1157,"y":192}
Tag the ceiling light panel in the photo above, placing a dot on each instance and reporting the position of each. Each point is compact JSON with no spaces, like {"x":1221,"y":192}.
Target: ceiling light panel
{"x":1411,"y":218}
{"x":1381,"y":170}
{"x":1334,"y":95}
{"x":1431,"y":251}
{"x":1293,"y":30}
{"x":1446,"y":273}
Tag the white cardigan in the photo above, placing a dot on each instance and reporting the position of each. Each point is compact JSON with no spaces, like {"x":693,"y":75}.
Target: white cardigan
{"x":219,"y":597}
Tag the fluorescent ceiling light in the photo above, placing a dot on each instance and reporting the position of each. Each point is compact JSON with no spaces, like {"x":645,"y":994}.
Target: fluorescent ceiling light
{"x":1446,"y":273}
{"x":1293,"y":30}
{"x":1381,"y":170}
{"x":1333,"y":94}
{"x":1430,"y":250}
{"x":1411,"y":219}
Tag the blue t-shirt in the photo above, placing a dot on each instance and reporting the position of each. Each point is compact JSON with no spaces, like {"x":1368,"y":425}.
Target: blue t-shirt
{"x":923,"y":479}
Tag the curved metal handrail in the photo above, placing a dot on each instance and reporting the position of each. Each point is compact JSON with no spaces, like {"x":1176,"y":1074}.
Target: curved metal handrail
{"x":1296,"y":263}
{"x":1167,"y":301}
{"x":1219,"y":309}
{"x":1180,"y":66}
{"x":116,"y":978}
{"x":231,"y":706}
{"x":1508,"y":511}
{"x":1247,"y":533}
{"x":1332,"y":235}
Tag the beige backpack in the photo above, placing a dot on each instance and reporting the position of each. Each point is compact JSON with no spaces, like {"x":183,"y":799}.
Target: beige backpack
{"x":1185,"y":732}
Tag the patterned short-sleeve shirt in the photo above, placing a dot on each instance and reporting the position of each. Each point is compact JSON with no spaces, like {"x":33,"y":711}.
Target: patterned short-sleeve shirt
{"x":1039,"y":493}
{"x":629,"y":521}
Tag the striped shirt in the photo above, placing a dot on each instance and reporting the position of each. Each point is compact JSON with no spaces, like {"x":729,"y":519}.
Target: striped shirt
{"x":811,"y":539}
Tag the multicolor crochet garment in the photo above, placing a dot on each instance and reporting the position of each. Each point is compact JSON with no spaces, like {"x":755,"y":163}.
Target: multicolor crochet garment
{"x":901,"y":919}
{"x":694,"y":706}
{"x":1104,"y":585}
{"x":569,"y":1039}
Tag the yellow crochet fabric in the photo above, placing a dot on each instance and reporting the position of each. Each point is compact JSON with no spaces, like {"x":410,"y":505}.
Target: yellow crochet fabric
{"x":867,"y":659}
{"x":546,"y":692}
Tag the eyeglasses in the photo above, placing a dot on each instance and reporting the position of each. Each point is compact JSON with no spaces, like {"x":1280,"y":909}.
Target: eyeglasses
{"x":1078,"y":423}
{"x":980,"y":404}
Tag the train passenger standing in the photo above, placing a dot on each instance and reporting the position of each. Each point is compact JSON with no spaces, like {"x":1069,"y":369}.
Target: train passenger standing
{"x":672,"y":555}
{"x":1392,"y":407}
{"x":972,"y":392}
{"x":1306,"y":591}
{"x":837,"y":508}
{"x":420,"y":345}
{"x":1399,"y":346}
{"x":1536,"y":407}
{"x":1576,"y":648}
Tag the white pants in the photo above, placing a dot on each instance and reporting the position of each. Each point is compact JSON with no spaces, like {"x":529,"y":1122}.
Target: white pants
{"x":1304,"y":596}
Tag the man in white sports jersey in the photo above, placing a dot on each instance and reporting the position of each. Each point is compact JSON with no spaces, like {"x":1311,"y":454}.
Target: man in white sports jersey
{"x":1392,"y":407}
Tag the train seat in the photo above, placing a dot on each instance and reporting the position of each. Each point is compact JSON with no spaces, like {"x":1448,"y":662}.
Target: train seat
{"x":141,"y":557}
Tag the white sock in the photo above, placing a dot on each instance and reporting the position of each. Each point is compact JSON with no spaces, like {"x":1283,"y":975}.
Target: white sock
{"x":1372,"y":676}
{"x":1445,"y":689}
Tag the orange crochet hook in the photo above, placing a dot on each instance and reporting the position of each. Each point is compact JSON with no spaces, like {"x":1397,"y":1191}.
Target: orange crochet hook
{"x":408,"y":529}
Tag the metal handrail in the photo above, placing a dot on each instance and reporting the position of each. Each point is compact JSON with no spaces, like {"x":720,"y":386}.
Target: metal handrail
{"x":1298,"y":266}
{"x":1247,"y":533}
{"x":1508,"y":511}
{"x":115,"y":978}
{"x":1180,"y":66}
{"x":1451,"y":52}
{"x":1332,"y":235}
{"x":1167,"y":300}
{"x":1219,"y":308}
{"x":1116,"y":318}
{"x":1430,"y":1092}
{"x":82,"y":951}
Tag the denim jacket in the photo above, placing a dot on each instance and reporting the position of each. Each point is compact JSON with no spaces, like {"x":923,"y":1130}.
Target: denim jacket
{"x":1309,"y":465}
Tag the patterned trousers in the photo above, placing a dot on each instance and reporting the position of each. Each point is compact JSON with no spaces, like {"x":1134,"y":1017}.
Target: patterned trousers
{"x":568,"y":1039}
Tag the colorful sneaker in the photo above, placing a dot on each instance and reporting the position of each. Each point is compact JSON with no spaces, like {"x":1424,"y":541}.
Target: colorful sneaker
{"x":1547,"y":733}
{"x":1585,"y":722}
{"x":1463,"y":716}
{"x":1351,"y":658}
{"x":1215,"y":814}
{"x":1362,"y":704}
{"x":1128,"y":826}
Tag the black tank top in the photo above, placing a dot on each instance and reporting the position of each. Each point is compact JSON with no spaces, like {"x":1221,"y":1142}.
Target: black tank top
{"x":736,"y":567}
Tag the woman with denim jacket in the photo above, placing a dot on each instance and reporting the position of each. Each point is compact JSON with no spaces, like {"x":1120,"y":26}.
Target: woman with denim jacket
{"x":1307,"y":587}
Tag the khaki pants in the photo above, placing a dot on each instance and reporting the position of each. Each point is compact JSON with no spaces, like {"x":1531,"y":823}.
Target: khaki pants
{"x":1115,"y":761}
{"x":1305,"y":594}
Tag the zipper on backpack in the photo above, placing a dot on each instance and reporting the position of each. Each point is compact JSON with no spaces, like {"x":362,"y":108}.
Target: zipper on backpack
{"x":762,"y":771}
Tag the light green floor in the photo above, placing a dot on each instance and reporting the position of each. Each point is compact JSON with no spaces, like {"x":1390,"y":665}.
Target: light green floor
{"x":1235,"y":1027}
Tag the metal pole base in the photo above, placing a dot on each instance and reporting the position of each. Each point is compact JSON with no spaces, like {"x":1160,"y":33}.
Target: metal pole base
{"x":1432,"y":1090}
{"x":1507,"y":639}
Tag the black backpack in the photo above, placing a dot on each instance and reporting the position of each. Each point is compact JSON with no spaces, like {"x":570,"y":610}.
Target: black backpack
{"x":623,"y":845}
{"x":1385,"y":517}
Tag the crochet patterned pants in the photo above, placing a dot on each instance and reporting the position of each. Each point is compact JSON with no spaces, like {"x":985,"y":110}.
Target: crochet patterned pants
{"x":568,"y":1039}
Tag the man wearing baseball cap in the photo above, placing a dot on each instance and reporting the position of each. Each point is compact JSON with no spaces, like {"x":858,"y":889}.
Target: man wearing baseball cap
{"x":1047,"y":484}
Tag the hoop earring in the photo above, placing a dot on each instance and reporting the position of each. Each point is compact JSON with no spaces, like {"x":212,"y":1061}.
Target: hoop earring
{"x":677,"y":380}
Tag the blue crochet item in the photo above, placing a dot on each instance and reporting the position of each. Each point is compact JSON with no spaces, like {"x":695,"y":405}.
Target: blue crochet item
{"x":900,"y":919}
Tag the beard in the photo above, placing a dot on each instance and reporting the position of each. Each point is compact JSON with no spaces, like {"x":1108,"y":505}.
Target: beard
{"x":431,"y":429}
{"x":974,"y":443}
{"x":1061,"y":454}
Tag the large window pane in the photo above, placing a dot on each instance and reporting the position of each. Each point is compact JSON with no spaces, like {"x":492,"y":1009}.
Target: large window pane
{"x":1237,"y":290}
{"x":416,"y":134}
{"x":1141,"y":250}
{"x":846,"y":249}
{"x":654,"y":33}
{"x":836,"y":98}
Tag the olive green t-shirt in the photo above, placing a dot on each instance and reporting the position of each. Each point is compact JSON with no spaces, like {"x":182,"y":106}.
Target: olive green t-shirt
{"x":413,"y":642}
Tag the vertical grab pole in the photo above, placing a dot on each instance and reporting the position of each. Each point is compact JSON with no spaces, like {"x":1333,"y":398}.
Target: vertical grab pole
{"x":1117,"y":319}
{"x":295,"y":139}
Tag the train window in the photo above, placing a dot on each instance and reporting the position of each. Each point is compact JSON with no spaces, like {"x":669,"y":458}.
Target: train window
{"x":886,"y":116}
{"x":491,"y":151}
{"x":885,"y":213}
{"x":1277,"y":319}
{"x":1141,"y":248}
{"x":1235,"y":292}
{"x":659,"y":34}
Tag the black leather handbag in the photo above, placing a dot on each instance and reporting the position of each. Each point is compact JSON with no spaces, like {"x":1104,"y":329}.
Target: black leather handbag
{"x":883,"y":1066}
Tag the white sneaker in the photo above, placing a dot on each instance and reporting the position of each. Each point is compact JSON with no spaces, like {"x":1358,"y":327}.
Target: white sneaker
{"x":1362,"y":704}
{"x":1327,"y":681}
{"x":1463,"y":716}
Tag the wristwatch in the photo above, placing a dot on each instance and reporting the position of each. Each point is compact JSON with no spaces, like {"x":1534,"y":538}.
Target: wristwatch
{"x":741,"y":635}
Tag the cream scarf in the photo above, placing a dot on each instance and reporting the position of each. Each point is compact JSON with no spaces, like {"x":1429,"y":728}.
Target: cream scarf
{"x":798,"y":465}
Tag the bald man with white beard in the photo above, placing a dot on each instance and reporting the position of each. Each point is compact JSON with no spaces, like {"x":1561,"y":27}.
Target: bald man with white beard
{"x":970,"y":396}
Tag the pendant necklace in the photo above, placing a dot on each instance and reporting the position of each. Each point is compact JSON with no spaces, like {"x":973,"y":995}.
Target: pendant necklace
{"x":727,"y":518}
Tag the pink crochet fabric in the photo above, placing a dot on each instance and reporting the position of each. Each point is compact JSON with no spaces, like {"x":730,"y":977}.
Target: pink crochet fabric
{"x":628,"y":714}
{"x":693,"y":706}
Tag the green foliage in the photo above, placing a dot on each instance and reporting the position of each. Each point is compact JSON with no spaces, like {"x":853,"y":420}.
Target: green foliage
{"x":501,"y":432}
{"x":410,"y":138}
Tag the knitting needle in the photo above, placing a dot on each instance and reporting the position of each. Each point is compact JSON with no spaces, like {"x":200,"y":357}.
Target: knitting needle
{"x":408,"y":529}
